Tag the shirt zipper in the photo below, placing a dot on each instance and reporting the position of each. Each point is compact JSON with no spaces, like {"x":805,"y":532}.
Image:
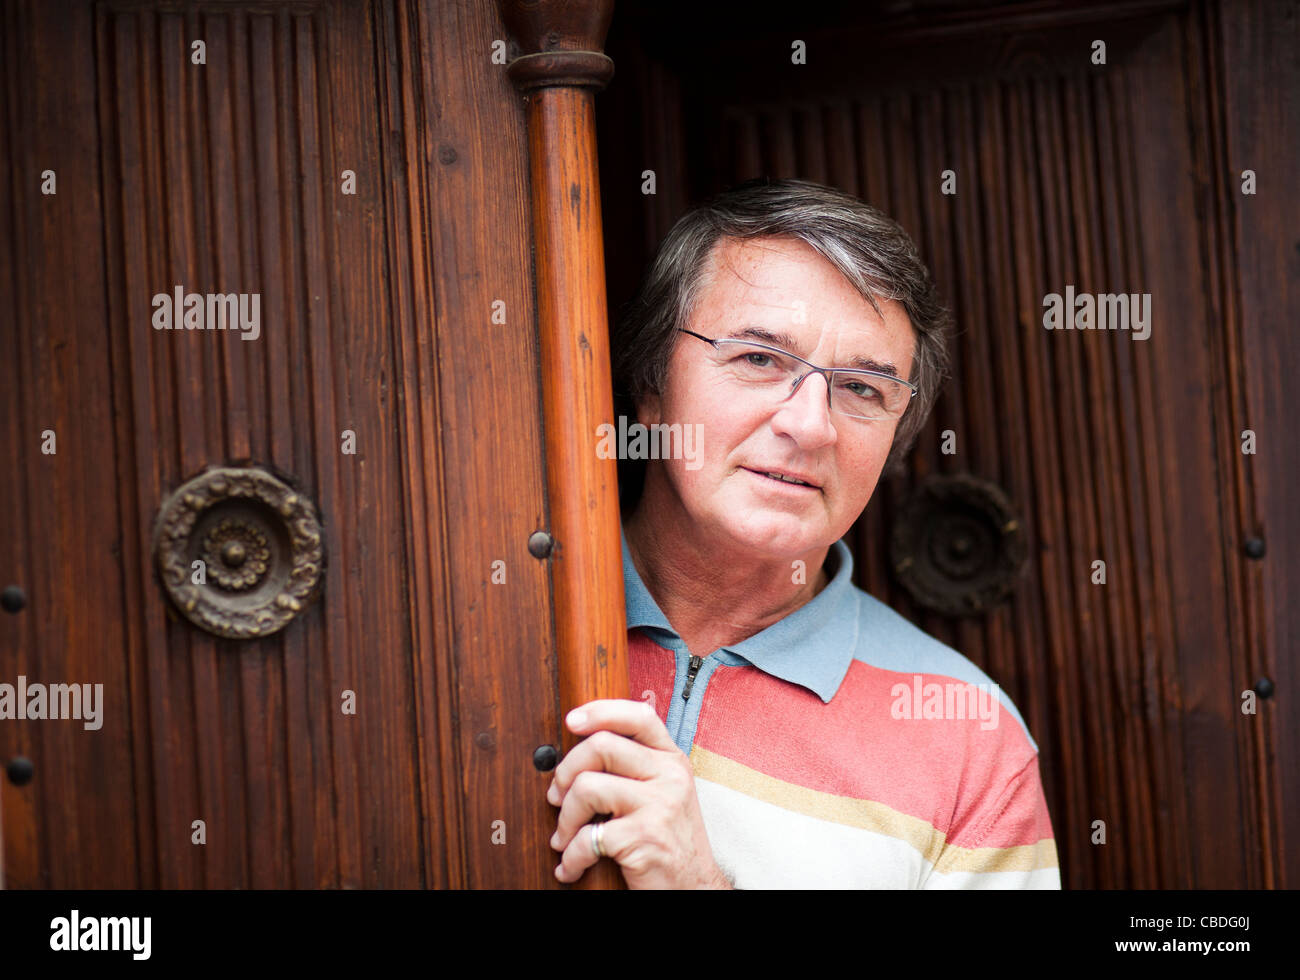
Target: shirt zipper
{"x":696,"y":662}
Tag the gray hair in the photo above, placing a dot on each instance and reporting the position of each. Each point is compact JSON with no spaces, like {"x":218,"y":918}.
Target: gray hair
{"x":869,"y":249}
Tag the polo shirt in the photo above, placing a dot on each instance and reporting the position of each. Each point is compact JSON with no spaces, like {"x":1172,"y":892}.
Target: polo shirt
{"x":842,"y":747}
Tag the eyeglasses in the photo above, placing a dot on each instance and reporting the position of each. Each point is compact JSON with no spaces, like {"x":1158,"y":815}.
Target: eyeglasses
{"x":854,"y":392}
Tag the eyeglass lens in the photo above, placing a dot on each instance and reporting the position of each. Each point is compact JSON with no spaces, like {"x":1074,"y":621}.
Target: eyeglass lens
{"x":854,"y":394}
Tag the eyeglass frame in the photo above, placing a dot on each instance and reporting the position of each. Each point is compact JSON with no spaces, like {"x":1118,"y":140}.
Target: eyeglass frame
{"x":824,"y":371}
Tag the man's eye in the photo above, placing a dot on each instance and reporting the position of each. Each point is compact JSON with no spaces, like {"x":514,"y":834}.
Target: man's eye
{"x":862,"y":390}
{"x":758,"y":365}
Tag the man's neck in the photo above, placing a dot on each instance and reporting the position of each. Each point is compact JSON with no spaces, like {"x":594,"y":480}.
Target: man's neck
{"x":711,"y":598}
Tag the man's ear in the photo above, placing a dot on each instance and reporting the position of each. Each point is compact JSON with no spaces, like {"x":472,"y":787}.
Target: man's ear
{"x":649,"y":410}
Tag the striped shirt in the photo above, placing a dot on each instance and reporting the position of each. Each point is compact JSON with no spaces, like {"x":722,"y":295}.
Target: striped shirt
{"x":842,"y":747}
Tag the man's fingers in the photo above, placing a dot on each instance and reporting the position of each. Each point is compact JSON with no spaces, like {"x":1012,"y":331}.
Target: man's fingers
{"x":635,"y":719}
{"x":580,"y":855}
{"x":603,"y":751}
{"x":594,"y":793}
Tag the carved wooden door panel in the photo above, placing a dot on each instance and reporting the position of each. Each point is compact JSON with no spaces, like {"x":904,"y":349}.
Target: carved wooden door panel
{"x":359,"y":709}
{"x":1024,"y":167}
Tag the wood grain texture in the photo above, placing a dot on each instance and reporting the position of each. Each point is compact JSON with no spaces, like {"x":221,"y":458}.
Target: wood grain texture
{"x":1114,"y":179}
{"x":1255,"y":83}
{"x":560,"y":68}
{"x":225,"y":179}
{"x":477,"y":470}
{"x":55,"y":377}
{"x":590,"y":620}
{"x":377,"y":318}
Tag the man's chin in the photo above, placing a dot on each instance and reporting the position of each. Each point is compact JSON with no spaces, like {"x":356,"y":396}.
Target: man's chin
{"x":776,"y":537}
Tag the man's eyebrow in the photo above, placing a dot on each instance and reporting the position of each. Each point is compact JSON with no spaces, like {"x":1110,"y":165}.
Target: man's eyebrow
{"x":779,"y":338}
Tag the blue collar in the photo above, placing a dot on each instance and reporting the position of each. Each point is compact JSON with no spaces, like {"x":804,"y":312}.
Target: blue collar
{"x":811,"y":647}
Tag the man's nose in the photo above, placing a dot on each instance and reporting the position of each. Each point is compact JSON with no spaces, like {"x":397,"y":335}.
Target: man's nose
{"x":806,"y":412}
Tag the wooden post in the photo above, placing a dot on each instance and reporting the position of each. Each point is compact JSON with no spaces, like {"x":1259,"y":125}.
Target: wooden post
{"x":559,"y":69}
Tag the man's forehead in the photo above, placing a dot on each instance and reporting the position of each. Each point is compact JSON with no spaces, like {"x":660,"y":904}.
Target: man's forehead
{"x":744,"y":254}
{"x":777,"y":273}
{"x":798,"y":302}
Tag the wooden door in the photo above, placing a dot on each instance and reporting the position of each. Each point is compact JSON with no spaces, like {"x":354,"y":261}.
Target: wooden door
{"x":363,"y":169}
{"x":1126,"y":175}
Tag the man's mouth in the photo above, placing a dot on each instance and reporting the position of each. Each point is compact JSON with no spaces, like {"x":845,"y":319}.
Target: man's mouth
{"x":783,"y":477}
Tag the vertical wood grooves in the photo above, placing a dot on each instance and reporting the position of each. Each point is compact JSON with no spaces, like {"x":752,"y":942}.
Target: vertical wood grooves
{"x":1087,"y":545}
{"x":469,"y":191}
{"x":1113,"y":531}
{"x":153,"y":397}
{"x":1120,"y":616}
{"x":270,"y":833}
{"x":977,"y":114}
{"x":438,"y":690}
{"x":1253,"y":53}
{"x":319,"y":343}
{"x":17,"y":821}
{"x":375,"y":315}
{"x":412,"y":431}
{"x":1255,"y":783}
{"x":1133,"y":760}
{"x":956,"y":231}
{"x":1167,"y":676}
{"x":447,"y":672}
{"x":1070,"y":572}
{"x":1160,"y":688}
{"x":403,"y":448}
{"x":126,"y":453}
{"x":1205,"y":693}
{"x":144,"y":863}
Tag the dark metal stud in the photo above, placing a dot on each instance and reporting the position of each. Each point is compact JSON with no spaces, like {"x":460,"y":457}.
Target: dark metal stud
{"x":1254,"y":547}
{"x":20,"y":770}
{"x":545,"y":757}
{"x":1264,"y":687}
{"x":540,"y":544}
{"x":13,"y":599}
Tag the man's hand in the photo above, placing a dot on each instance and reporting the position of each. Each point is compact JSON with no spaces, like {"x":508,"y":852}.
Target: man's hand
{"x":629,"y":767}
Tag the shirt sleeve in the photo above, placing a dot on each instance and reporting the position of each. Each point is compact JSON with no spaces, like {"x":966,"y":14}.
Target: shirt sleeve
{"x":1009,"y":843}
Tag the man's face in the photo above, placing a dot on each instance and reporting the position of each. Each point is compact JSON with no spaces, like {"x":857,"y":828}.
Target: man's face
{"x":785,"y":287}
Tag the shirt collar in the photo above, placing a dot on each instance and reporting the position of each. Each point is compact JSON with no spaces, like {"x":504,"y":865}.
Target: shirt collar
{"x":812,"y":647}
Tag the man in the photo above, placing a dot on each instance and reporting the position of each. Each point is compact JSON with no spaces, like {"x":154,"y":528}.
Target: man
{"x":778,"y":742}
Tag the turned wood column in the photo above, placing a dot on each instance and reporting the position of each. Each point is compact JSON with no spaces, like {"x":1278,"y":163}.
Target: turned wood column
{"x":559,"y":67}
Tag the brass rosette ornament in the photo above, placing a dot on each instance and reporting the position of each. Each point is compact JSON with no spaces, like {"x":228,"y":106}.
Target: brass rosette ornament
{"x":239,"y":552}
{"x":958,"y":547}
